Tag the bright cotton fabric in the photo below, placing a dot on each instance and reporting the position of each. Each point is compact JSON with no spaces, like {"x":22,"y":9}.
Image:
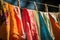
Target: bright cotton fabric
{"x":48,"y":23}
{"x":36,"y":17}
{"x":5,"y":27}
{"x":14,"y":35}
{"x":29,"y":24}
{"x":26,"y":24}
{"x":45,"y":35}
{"x":55,"y":27}
{"x":19,"y":22}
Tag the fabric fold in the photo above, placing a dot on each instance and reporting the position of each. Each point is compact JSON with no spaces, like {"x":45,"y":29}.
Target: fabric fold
{"x":43,"y":29}
{"x":29,"y":24}
{"x":55,"y":27}
{"x":19,"y":23}
{"x":14,"y":35}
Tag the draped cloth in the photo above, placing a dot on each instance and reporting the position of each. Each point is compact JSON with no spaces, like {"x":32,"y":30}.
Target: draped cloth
{"x":45,"y":35}
{"x":29,"y":24}
{"x":14,"y":35}
{"x":55,"y":27}
{"x":5,"y":26}
{"x":36,"y":17}
{"x":48,"y":23}
{"x":19,"y":23}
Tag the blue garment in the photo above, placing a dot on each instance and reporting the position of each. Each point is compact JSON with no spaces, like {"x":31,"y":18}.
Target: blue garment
{"x":44,"y":30}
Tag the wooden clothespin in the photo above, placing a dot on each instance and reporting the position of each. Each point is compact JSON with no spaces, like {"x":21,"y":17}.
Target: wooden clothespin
{"x":35,"y":6}
{"x":46,"y":7}
{"x":1,"y":4}
{"x":59,"y":15}
{"x":18,"y":3}
{"x":59,"y":7}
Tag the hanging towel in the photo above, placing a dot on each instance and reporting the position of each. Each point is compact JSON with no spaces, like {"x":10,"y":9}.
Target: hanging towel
{"x":36,"y":17}
{"x":14,"y":35}
{"x":26,"y":24}
{"x":55,"y":27}
{"x":45,"y":35}
{"x":4,"y":20}
{"x":6,"y":10}
{"x":29,"y":24}
{"x":34,"y":30}
{"x":19,"y":23}
{"x":48,"y":23}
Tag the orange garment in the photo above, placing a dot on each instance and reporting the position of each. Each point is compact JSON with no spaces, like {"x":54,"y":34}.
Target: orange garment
{"x":55,"y":27}
{"x":19,"y":22}
{"x":14,"y":35}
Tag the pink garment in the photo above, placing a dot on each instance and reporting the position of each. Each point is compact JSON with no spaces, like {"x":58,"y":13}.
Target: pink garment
{"x":34,"y":30}
{"x":26,"y":24}
{"x":29,"y":24}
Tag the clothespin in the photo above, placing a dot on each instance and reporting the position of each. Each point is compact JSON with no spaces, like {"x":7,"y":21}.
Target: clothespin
{"x":1,"y":3}
{"x":46,"y":7}
{"x":35,"y":6}
{"x":18,"y":3}
{"x":59,"y":7}
{"x":59,"y":15}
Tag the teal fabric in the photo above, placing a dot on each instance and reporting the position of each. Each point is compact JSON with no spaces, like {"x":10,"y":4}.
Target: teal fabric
{"x":49,"y":26}
{"x":45,"y":35}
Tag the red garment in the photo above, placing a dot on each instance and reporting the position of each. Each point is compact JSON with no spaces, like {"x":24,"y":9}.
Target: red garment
{"x":29,"y":24}
{"x":19,"y":22}
{"x":26,"y":24}
{"x":55,"y":27}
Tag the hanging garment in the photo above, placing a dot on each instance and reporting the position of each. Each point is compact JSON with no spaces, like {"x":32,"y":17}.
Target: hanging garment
{"x":29,"y":24}
{"x":6,"y":11}
{"x":48,"y":23}
{"x":19,"y":22}
{"x":26,"y":24}
{"x":36,"y":17}
{"x":34,"y":30}
{"x":14,"y":35}
{"x":55,"y":27}
{"x":3,"y":25}
{"x":45,"y":35}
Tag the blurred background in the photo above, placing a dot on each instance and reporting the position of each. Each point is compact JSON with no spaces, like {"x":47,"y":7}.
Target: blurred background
{"x":30,"y":5}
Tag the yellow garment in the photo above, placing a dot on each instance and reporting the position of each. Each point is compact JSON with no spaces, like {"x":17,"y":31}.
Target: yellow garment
{"x":6,"y":10}
{"x":37,"y":22}
{"x":14,"y":35}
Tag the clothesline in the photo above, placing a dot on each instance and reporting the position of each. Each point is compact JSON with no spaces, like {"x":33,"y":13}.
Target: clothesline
{"x":42,"y":4}
{"x":38,"y":3}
